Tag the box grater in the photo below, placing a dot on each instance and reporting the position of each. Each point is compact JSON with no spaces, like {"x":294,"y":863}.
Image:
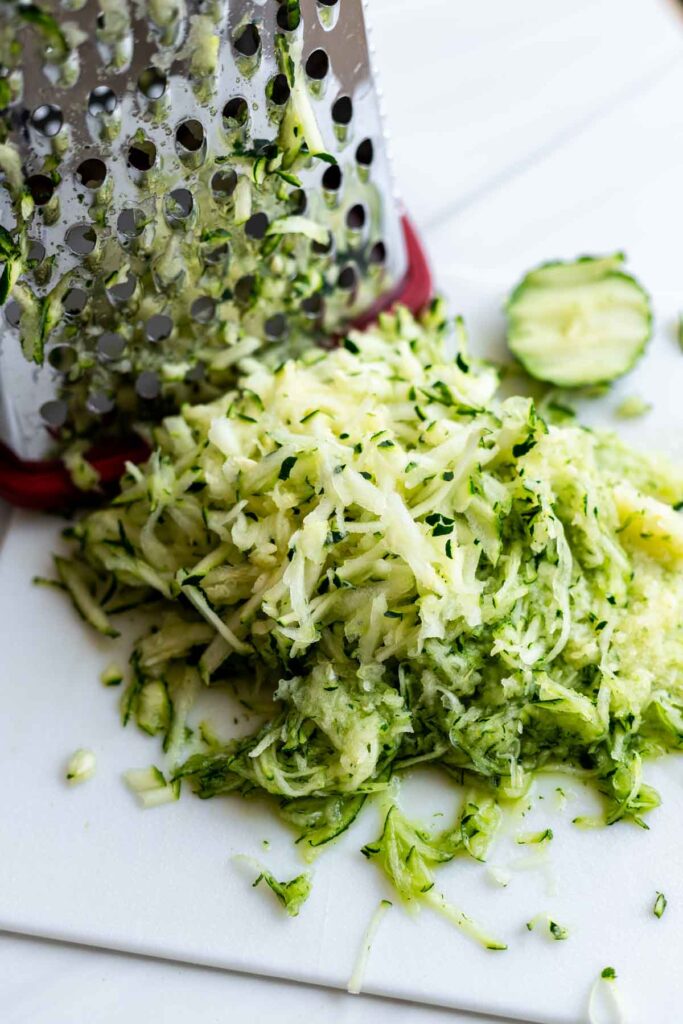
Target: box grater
{"x":185,"y":183}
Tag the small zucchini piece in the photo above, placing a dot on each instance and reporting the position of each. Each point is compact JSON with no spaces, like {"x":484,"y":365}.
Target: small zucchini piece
{"x":84,"y":602}
{"x":579,"y":323}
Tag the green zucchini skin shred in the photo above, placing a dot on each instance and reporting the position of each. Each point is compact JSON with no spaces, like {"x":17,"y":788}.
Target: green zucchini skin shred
{"x":580,"y":323}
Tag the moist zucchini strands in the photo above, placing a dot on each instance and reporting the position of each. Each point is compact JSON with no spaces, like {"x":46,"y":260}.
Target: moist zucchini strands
{"x":579,"y":323}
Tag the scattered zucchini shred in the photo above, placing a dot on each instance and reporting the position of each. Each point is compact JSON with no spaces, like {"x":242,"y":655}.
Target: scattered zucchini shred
{"x":356,"y":980}
{"x":479,"y":594}
{"x":292,"y":895}
{"x":633,"y":407}
{"x":605,"y":997}
{"x":659,"y":905}
{"x":81,"y":766}
{"x":556,"y":931}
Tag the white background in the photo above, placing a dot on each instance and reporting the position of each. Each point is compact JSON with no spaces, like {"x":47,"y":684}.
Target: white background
{"x":520,"y":131}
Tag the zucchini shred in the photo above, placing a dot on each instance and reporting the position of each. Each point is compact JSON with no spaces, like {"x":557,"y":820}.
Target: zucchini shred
{"x":417,"y":572}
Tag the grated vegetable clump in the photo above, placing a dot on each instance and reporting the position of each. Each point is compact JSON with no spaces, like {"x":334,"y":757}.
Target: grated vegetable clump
{"x":419,"y":571}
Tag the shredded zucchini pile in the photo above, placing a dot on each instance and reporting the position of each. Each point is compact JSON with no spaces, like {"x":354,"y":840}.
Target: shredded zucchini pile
{"x":418,"y":571}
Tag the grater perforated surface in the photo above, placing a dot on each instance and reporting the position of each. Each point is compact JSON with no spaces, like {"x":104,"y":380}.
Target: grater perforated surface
{"x":164,"y":150}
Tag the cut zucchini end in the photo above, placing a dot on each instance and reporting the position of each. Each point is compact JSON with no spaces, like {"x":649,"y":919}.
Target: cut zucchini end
{"x":579,"y":323}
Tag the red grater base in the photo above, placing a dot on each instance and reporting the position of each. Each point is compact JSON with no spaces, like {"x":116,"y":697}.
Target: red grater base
{"x":47,"y":485}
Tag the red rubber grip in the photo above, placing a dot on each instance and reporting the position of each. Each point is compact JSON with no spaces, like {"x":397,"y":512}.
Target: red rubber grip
{"x":47,"y":485}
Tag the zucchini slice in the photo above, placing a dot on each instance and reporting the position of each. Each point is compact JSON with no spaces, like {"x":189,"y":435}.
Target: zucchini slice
{"x":579,"y":323}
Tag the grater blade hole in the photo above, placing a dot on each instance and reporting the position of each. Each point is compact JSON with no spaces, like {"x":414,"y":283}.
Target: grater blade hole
{"x":323,"y":248}
{"x":110,"y":346}
{"x":298,"y":200}
{"x":41,"y":188}
{"x":244,"y":289}
{"x":247,"y":40}
{"x":342,"y":110}
{"x":13,"y":313}
{"x":141,"y":155}
{"x":36,"y":251}
{"x":102,"y":100}
{"x":348,"y":278}
{"x":54,"y":413}
{"x":278,"y":90}
{"x":313,"y":306}
{"x":62,"y":358}
{"x":218,"y":255}
{"x":275,"y":326}
{"x":236,"y":110}
{"x":74,"y":301}
{"x":203,"y":309}
{"x":152,"y":83}
{"x":288,"y":18}
{"x":99,"y":403}
{"x":179,"y":205}
{"x":365,"y":153}
{"x":122,"y":292}
{"x":332,"y":178}
{"x":196,"y":374}
{"x":223,"y":183}
{"x":131,"y":223}
{"x":158,"y":328}
{"x":317,"y":65}
{"x":256,"y":226}
{"x":378,"y":253}
{"x":91,"y":173}
{"x":47,"y":119}
{"x":190,"y":136}
{"x":147,"y":385}
{"x":355,"y":217}
{"x":81,"y":239}
{"x":328,"y":3}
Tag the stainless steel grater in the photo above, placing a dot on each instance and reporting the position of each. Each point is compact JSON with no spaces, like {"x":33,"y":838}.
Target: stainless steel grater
{"x":185,"y":183}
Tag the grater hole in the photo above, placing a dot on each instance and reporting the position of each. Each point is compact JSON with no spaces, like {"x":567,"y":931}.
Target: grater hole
{"x":348,"y":278}
{"x":223,"y":183}
{"x":189,"y":136}
{"x":323,"y":248}
{"x":47,"y":119}
{"x":378,"y":253}
{"x":244,"y":289}
{"x":256,"y":226}
{"x":131,"y":223}
{"x":102,"y":100}
{"x":91,"y":173}
{"x":196,"y":374}
{"x":203,"y":309}
{"x":365,"y":153}
{"x":81,"y":239}
{"x":247,"y":40}
{"x":275,"y":326}
{"x":317,"y":65}
{"x":288,"y":18}
{"x":236,"y":110}
{"x":179,"y":204}
{"x":54,"y":413}
{"x":332,"y":178}
{"x":278,"y":90}
{"x":328,"y":3}
{"x":142,"y":155}
{"x":74,"y":301}
{"x":62,"y":358}
{"x":298,"y":200}
{"x":122,"y":292}
{"x":99,"y":403}
{"x":355,"y":217}
{"x":41,"y":188}
{"x":36,"y":251}
{"x":152,"y":83}
{"x":313,"y":306}
{"x":110,"y":346}
{"x":342,"y":110}
{"x":217,"y":255}
{"x":13,"y":313}
{"x":147,"y":385}
{"x":158,"y":328}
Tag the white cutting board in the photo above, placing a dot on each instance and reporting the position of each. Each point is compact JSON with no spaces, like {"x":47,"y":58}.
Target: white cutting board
{"x":88,"y":865}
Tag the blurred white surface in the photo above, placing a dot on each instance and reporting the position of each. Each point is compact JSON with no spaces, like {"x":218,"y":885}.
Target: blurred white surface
{"x":520,"y":132}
